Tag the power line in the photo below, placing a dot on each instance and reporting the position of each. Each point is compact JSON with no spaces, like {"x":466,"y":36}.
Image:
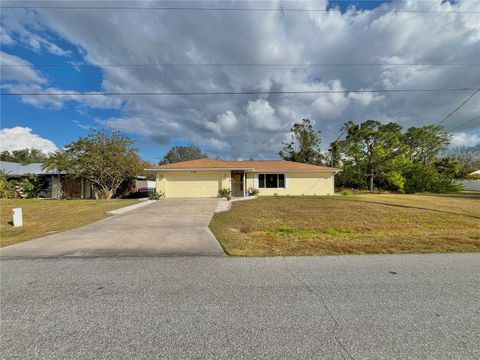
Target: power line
{"x":343,"y":132}
{"x":175,"y":8}
{"x":334,"y":147}
{"x":194,"y":93}
{"x":240,"y":65}
{"x":465,"y":123}
{"x":458,"y":107}
{"x":305,"y":1}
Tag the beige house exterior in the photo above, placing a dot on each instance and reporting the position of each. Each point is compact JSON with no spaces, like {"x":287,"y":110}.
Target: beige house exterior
{"x":205,"y":177}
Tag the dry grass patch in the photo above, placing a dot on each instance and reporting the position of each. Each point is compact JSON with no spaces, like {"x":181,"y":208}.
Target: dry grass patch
{"x":356,"y":224}
{"x":43,"y":217}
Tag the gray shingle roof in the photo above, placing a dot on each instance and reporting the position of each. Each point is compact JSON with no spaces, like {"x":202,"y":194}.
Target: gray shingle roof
{"x":16,"y":169}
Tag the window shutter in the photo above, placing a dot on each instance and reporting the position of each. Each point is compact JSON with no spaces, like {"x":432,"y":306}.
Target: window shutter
{"x":286,"y":181}
{"x":255,"y":181}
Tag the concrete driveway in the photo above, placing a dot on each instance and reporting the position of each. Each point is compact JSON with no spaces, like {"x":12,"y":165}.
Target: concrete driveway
{"x":166,"y":227}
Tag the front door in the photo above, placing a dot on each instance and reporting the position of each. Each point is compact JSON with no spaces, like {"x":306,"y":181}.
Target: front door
{"x":237,"y":183}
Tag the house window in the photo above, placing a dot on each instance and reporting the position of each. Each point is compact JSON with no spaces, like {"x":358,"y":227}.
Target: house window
{"x":271,"y":181}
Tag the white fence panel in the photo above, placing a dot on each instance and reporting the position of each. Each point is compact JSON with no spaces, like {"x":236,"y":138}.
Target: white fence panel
{"x":470,"y":185}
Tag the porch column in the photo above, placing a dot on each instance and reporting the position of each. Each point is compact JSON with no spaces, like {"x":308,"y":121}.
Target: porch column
{"x":244,"y":184}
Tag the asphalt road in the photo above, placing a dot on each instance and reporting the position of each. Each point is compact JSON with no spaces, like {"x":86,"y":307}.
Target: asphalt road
{"x":348,"y":307}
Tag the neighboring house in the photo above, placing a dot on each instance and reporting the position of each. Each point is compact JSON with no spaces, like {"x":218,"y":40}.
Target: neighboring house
{"x":72,"y":187}
{"x":204,"y":177}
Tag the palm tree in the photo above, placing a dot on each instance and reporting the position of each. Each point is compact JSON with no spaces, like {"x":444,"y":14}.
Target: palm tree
{"x":58,"y":161}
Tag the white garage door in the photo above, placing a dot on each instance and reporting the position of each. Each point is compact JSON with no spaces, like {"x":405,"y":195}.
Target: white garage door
{"x":193,"y":184}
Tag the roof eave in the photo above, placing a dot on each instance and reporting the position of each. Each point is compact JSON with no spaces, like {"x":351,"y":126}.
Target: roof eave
{"x":240,"y":168}
{"x":198,"y":169}
{"x":295,"y":170}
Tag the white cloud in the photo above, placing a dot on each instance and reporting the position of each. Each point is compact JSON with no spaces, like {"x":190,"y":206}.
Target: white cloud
{"x":262,"y":115}
{"x":332,"y":105}
{"x":82,"y":126}
{"x":5,"y":39}
{"x":464,"y":139}
{"x":18,"y":138}
{"x":24,"y":27}
{"x":22,"y":77}
{"x":57,"y":101}
{"x":226,"y":122}
{"x":21,"y":71}
{"x":365,"y":98}
{"x":255,"y":125}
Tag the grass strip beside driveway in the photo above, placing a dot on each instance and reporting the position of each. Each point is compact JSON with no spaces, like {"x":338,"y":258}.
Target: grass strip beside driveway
{"x":354,"y":224}
{"x":44,"y":217}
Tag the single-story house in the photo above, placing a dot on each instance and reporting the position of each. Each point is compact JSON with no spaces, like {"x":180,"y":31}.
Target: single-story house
{"x":205,"y":177}
{"x":50,"y":180}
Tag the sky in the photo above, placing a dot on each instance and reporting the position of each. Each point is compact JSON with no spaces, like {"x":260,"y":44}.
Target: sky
{"x":87,"y":47}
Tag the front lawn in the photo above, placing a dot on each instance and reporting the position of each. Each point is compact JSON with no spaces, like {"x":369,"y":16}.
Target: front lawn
{"x":43,"y":217}
{"x":353,"y":224}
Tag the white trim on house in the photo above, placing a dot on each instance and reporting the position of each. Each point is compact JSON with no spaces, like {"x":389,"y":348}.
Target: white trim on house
{"x":278,"y":181}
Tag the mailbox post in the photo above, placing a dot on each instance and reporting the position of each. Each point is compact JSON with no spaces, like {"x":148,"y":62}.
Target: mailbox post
{"x":17,"y":217}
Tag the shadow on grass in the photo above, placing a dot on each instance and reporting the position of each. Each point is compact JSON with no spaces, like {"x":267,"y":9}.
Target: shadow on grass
{"x":418,"y":208}
{"x":465,"y":195}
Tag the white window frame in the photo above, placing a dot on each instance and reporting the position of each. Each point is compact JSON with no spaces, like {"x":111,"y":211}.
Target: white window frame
{"x":265,"y":180}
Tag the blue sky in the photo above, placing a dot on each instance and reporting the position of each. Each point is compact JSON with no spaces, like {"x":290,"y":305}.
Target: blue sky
{"x":71,"y":121}
{"x":61,"y":125}
{"x":232,"y":127}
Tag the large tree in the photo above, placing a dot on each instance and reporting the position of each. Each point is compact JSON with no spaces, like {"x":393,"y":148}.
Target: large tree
{"x":468,"y":159}
{"x":182,"y":153}
{"x":425,"y":143}
{"x":305,"y":144}
{"x":106,"y":159}
{"x":369,"y":147}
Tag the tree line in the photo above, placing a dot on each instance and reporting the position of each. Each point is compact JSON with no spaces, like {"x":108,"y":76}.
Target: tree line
{"x":373,"y":155}
{"x":107,"y":159}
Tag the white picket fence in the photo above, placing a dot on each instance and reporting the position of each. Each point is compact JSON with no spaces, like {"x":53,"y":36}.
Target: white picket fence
{"x":470,"y":185}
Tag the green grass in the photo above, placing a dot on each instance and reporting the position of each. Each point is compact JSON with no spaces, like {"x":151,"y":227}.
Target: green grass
{"x":43,"y":217}
{"x":350,"y":224}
